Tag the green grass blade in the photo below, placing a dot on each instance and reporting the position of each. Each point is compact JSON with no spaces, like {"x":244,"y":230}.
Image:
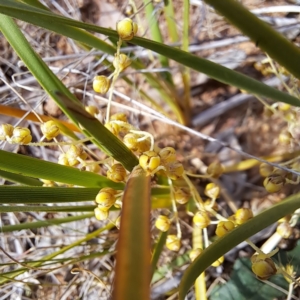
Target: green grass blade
{"x":157,"y":36}
{"x":24,"y":180}
{"x":107,"y":142}
{"x":171,"y":21}
{"x":36,"y":194}
{"x":220,"y":73}
{"x":263,"y":35}
{"x":132,"y":279}
{"x":33,"y":167}
{"x":39,"y":224}
{"x":43,"y":208}
{"x":158,"y":248}
{"x":185,"y":47}
{"x":233,"y":238}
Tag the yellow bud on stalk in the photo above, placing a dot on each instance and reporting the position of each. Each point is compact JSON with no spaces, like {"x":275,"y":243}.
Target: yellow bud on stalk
{"x":75,"y":152}
{"x":50,"y":130}
{"x":201,"y":219}
{"x":63,"y":160}
{"x":224,"y":227}
{"x":284,"y":230}
{"x":92,"y":167}
{"x":101,"y":84}
{"x":119,"y":117}
{"x":127,"y":29}
{"x":21,"y":135}
{"x":173,"y":242}
{"x":265,"y":169}
{"x":212,"y":190}
{"x":174,"y":170}
{"x":101,"y":214}
{"x":285,"y":138}
{"x":263,"y":267}
{"x":215,"y":170}
{"x":131,"y":141}
{"x":242,"y":215}
{"x":106,"y":198}
{"x":182,"y":195}
{"x":274,"y":183}
{"x":167,"y":155}
{"x":121,"y":62}
{"x":162,"y":223}
{"x":117,"y":173}
{"x":6,"y":131}
{"x":149,"y":161}
{"x":91,"y":109}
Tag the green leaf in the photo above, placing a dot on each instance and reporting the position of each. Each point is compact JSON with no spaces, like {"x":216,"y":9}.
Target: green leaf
{"x":39,"y":224}
{"x":53,"y":209}
{"x":24,"y":194}
{"x":233,"y":238}
{"x":24,"y":180}
{"x":33,"y":167}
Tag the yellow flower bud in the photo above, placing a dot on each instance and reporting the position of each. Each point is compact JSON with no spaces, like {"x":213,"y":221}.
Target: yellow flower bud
{"x":201,"y":219}
{"x":162,"y":223}
{"x":242,"y":215}
{"x":167,"y":155}
{"x":284,"y":106}
{"x":128,"y":11}
{"x":121,"y":62}
{"x":117,"y":173}
{"x":75,"y":152}
{"x":224,"y":227}
{"x":182,"y":195}
{"x":92,"y":110}
{"x":173,"y":242}
{"x":263,"y":267}
{"x":285,"y":138}
{"x":50,"y":130}
{"x":131,"y":141}
{"x":265,"y":169}
{"x":6,"y":131}
{"x":212,"y":190}
{"x":284,"y":230}
{"x":127,"y":29}
{"x":63,"y":160}
{"x":101,"y":214}
{"x":21,"y":135}
{"x":92,"y":167}
{"x":215,"y":170}
{"x":149,"y":161}
{"x":274,"y":183}
{"x":101,"y":84}
{"x":106,"y":198}
{"x":195,"y":253}
{"x":119,"y":117}
{"x":218,"y":262}
{"x":174,"y":170}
